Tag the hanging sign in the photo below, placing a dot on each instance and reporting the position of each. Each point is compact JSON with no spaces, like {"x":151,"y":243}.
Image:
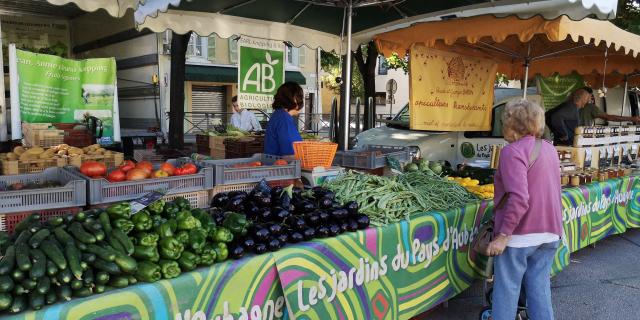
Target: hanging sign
{"x":450,"y":92}
{"x":260,"y":71}
{"x":50,"y":89}
{"x":556,"y":88}
{"x":35,"y":34}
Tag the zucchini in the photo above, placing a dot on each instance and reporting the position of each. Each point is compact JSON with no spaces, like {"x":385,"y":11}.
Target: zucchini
{"x":5,"y":301}
{"x":64,"y":293}
{"x":107,"y":266}
{"x":126,"y":263}
{"x":63,"y":236}
{"x":100,"y":288}
{"x":24,"y":224}
{"x":124,"y":240}
{"x":101,"y":252}
{"x":119,"y":282}
{"x":23,"y":237}
{"x":52,"y":269}
{"x":17,"y":275}
{"x":38,"y":237}
{"x":8,"y":260}
{"x":29,"y":284}
{"x":87,"y":277}
{"x":19,"y":304}
{"x":64,"y":276}
{"x":76,"y":284}
{"x":83,"y":292}
{"x":19,"y":290}
{"x":115,"y":244}
{"x":80,"y":234}
{"x":44,"y":284}
{"x":22,"y":257}
{"x":104,"y":220}
{"x":51,"y":297}
{"x":73,"y":258}
{"x":39,"y":264}
{"x":88,"y":257}
{"x":6,"y":284}
{"x":54,"y":253}
{"x":102,"y":277}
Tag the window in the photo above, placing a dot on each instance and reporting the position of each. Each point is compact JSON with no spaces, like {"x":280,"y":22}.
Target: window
{"x":293,"y":56}
{"x":302,"y":57}
{"x":383,"y":69}
{"x":233,"y":50}
{"x":211,"y":48}
{"x":197,"y":47}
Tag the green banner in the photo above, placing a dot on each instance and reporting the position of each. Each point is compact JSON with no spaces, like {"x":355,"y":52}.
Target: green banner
{"x":260,"y":71}
{"x":556,"y":88}
{"x":56,"y":90}
{"x":393,"y":272}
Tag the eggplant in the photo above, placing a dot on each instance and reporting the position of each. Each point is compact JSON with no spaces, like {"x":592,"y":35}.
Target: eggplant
{"x":339,"y":214}
{"x":262,"y":234}
{"x":352,"y":208}
{"x":248,"y":244}
{"x":276,"y":192}
{"x":324,"y":216}
{"x":285,"y":202}
{"x":236,"y":204}
{"x":234,"y":194}
{"x":325,"y":203}
{"x":220,"y":200}
{"x":283,"y":238}
{"x":251,"y":210}
{"x":275,"y":229}
{"x":313,"y":219}
{"x":274,"y":245}
{"x":297,"y":191}
{"x":280,"y":214}
{"x":263,"y":187}
{"x":258,"y":194}
{"x":334,"y":230}
{"x":353,"y":225}
{"x":309,"y":233}
{"x":236,"y":252}
{"x":363,"y":221}
{"x":344,"y":226}
{"x":263,"y":202}
{"x":265,"y":214}
{"x":322,"y":232}
{"x":297,"y":223}
{"x":296,"y":237}
{"x":218,"y":217}
{"x":260,"y":248}
{"x":329,"y":195}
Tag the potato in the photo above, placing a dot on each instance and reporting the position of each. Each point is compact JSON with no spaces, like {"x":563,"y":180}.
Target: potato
{"x":35,"y":150}
{"x":62,"y":153}
{"x":74,"y":150}
{"x":28,"y":156}
{"x":11,"y":156}
{"x":63,"y":146}
{"x":18,"y":150}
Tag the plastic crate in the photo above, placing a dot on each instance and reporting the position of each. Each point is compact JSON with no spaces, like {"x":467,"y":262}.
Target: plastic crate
{"x":102,"y":191}
{"x":314,"y":154}
{"x":12,"y":167}
{"x":232,"y":187}
{"x":197,"y":199}
{"x":71,"y":194}
{"x":9,"y":221}
{"x":224,"y":173}
{"x":371,"y":156}
{"x":148,"y":155}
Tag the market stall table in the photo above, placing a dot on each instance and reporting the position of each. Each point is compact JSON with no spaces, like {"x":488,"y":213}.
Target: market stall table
{"x":391,"y":272}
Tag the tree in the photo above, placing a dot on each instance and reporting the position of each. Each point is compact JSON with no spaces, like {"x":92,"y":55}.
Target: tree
{"x":366,"y":59}
{"x":330,"y":63}
{"x":628,"y":15}
{"x":179,"y":45}
{"x":395,"y":62}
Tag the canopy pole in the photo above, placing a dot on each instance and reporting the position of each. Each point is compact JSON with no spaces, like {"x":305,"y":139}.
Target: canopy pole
{"x":345,"y":111}
{"x":624,"y":96}
{"x":527,"y":61}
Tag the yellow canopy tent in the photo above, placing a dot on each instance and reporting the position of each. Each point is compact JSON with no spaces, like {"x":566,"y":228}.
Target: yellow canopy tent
{"x":596,"y":49}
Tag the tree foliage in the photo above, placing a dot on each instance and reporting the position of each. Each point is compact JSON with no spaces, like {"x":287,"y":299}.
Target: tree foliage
{"x":330,"y":64}
{"x":628,"y":16}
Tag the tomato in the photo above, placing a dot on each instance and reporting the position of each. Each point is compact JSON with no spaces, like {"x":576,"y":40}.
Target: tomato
{"x":146,"y":166}
{"x":190,"y":168}
{"x":159,"y":174}
{"x":179,"y":172}
{"x":168,"y":168}
{"x":127,"y":165}
{"x":93,"y":169}
{"x":137,"y":174}
{"x":281,"y":162}
{"x":116,"y":175}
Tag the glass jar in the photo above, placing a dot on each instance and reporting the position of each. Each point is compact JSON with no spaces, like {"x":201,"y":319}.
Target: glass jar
{"x":603,"y":176}
{"x":564,"y":180}
{"x":575,"y":180}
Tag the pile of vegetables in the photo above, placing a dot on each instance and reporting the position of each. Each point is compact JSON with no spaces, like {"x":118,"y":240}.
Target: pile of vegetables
{"x":29,"y":186}
{"x":426,"y":166}
{"x":97,"y":250}
{"x":266,"y":219}
{"x":60,"y":151}
{"x":131,"y":171}
{"x":472,"y":185}
{"x":231,"y":131}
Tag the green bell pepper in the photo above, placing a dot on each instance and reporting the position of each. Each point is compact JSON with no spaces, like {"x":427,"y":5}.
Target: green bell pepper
{"x":188,"y":261}
{"x":222,"y":252}
{"x":183,"y":237}
{"x":164,"y":230}
{"x":170,"y":210}
{"x":223,"y":235}
{"x":236,"y":223}
{"x":170,"y":248}
{"x":119,"y":211}
{"x":188,"y":222}
{"x":142,"y":221}
{"x":170,"y":269}
{"x":156,"y":207}
{"x":207,"y":222}
{"x":182,"y":203}
{"x":147,"y":238}
{"x":148,"y":272}
{"x":149,"y":253}
{"x":197,"y":239}
{"x":208,"y":257}
{"x":157,"y":220}
{"x":124,"y":225}
{"x":183,"y":214}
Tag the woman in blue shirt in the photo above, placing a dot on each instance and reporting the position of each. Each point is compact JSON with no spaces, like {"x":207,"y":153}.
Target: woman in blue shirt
{"x":282,"y":131}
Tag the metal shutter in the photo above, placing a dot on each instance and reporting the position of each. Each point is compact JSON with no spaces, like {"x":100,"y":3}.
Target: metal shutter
{"x":210,"y":99}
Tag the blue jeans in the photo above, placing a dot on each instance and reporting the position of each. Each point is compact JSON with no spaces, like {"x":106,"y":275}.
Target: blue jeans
{"x":531,"y":266}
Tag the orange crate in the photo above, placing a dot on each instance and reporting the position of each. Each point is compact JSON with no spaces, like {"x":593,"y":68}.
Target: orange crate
{"x":315,"y":154}
{"x":9,"y":221}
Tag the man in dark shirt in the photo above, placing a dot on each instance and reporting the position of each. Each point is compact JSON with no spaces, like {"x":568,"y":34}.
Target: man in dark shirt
{"x":563,"y":119}
{"x":591,"y":112}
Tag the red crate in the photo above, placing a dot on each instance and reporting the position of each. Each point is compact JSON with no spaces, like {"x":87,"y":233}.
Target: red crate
{"x":9,"y":221}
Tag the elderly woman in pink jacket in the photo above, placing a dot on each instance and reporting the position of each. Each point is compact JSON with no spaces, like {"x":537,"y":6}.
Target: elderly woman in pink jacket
{"x":528,"y":216}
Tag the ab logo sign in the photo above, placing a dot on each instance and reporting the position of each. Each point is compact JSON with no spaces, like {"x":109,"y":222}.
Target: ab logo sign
{"x":261,"y":71}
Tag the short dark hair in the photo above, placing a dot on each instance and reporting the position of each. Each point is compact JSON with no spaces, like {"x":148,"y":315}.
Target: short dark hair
{"x":588,"y":89}
{"x":289,"y":96}
{"x":234,"y":99}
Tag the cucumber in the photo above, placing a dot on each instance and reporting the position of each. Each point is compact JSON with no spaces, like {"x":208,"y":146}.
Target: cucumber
{"x":36,"y":300}
{"x":38,"y":237}
{"x":73,"y":258}
{"x":55,"y":221}
{"x":88,"y":257}
{"x":52,"y":269}
{"x":51,"y":297}
{"x":80,"y":216}
{"x":126,"y":263}
{"x":63,"y":236}
{"x":35,"y":226}
{"x":80,"y":234}
{"x":64,"y":293}
{"x":132,"y":280}
{"x":115,"y":244}
{"x":84,"y":266}
{"x":19,"y":290}
{"x":81,"y":246}
{"x":100,"y":235}
{"x":102,"y":277}
{"x":83,"y":292}
{"x":23,"y":237}
{"x":24,"y":224}
{"x":99,"y":288}
{"x":39,"y":264}
{"x":104,"y":220}
{"x":29,"y":284}
{"x":119,"y":282}
{"x":54,"y":253}
{"x":87,"y":277}
{"x":76,"y":284}
{"x":44,"y":284}
{"x":17,"y":275}
{"x":19,"y":304}
{"x":64,"y":276}
{"x":107,"y":266}
{"x":8,"y":260}
{"x":101,"y":252}
{"x":6,"y":284}
{"x":124,"y":240}
{"x":5,"y":301}
{"x":22,"y":257}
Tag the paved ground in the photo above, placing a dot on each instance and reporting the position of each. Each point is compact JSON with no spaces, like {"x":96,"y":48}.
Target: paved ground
{"x":600,"y":283}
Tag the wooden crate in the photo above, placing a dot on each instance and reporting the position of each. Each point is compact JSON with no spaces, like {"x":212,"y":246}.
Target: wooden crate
{"x":39,"y":134}
{"x":148,"y":155}
{"x":216,"y":142}
{"x":110,"y":160}
{"x":11,"y":167}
